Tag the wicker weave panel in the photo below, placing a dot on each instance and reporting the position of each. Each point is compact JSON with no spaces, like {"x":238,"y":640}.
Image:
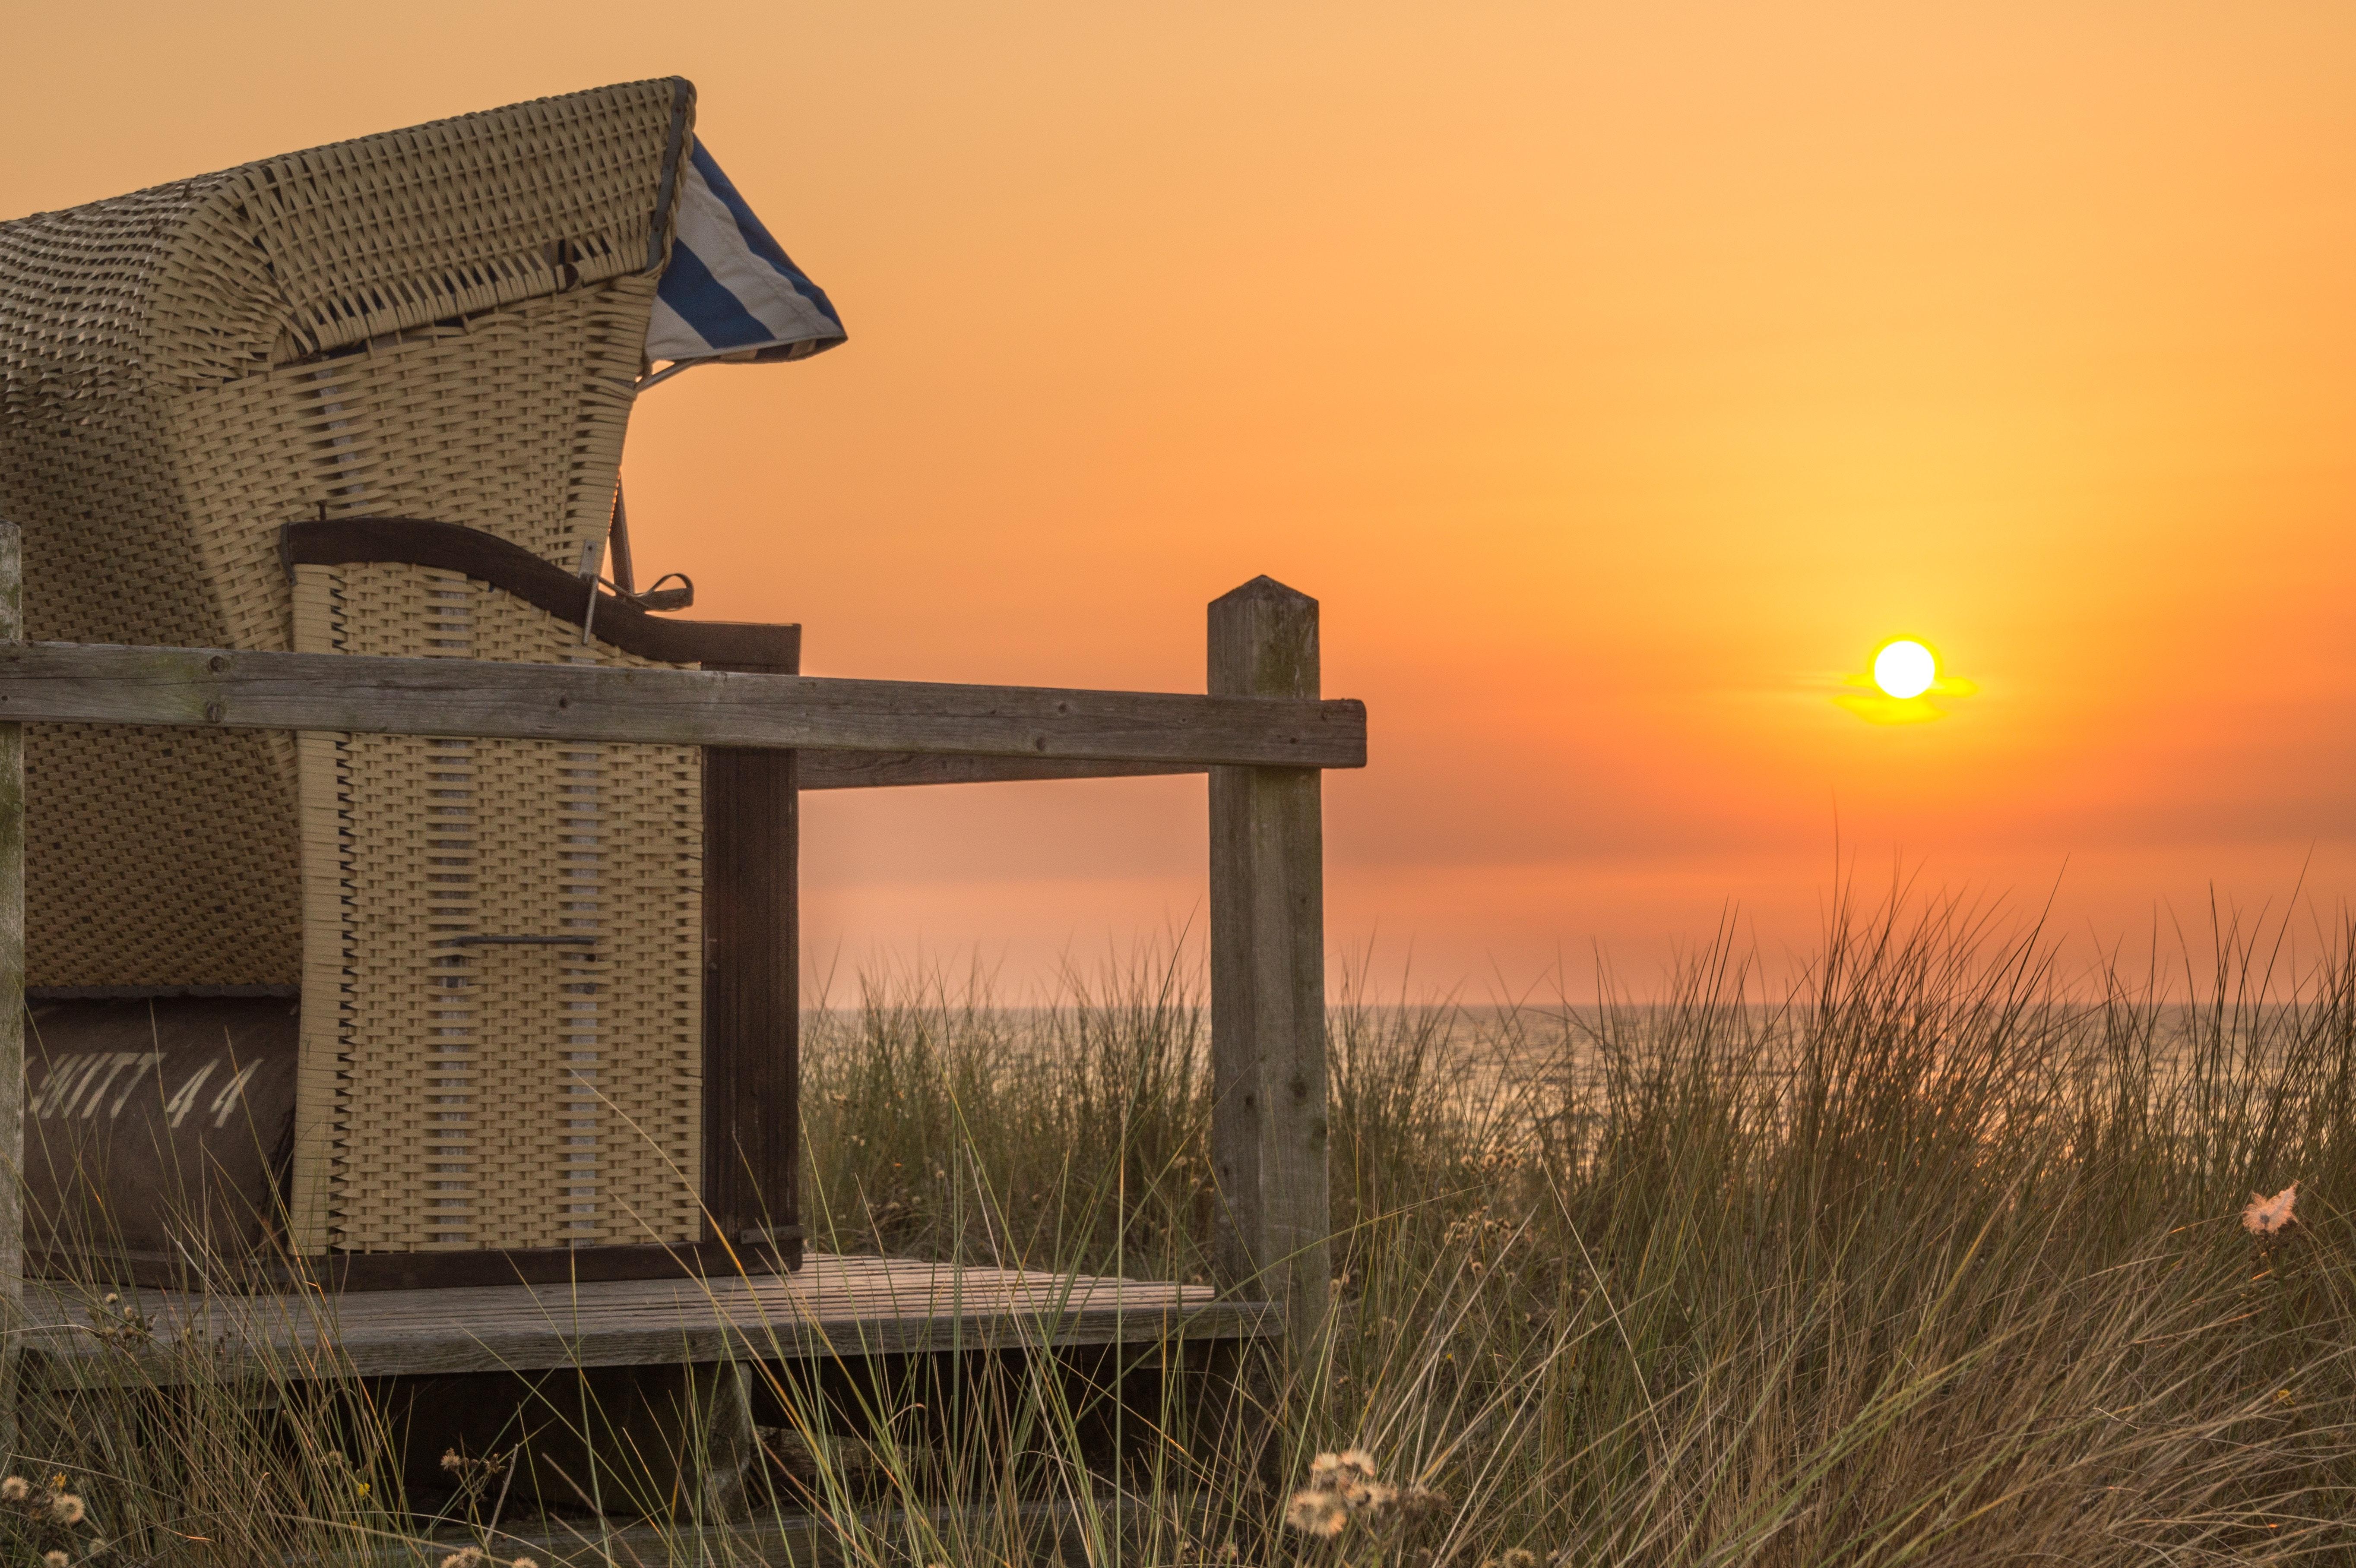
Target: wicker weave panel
{"x":166,"y":403}
{"x":494,"y":1096}
{"x":94,"y":301}
{"x":157,"y":858}
{"x":153,"y":858}
{"x":219,"y":277}
{"x":463,"y":215}
{"x":513,"y":423}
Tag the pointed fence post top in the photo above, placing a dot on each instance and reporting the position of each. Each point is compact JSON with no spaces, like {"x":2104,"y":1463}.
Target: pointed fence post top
{"x":1265,"y":587}
{"x":1263,"y":642}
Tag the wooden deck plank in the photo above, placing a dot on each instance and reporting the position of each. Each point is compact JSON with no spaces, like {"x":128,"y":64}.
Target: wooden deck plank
{"x":835,"y":1306}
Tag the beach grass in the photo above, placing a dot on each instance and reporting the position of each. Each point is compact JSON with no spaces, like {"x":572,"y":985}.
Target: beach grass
{"x":1936,"y":1255}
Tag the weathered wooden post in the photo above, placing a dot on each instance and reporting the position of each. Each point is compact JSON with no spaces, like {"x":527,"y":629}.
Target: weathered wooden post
{"x":12,"y":1003}
{"x":1268,"y":975}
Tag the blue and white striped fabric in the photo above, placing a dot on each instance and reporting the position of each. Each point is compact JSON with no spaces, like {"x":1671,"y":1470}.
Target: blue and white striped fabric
{"x":731,"y":292}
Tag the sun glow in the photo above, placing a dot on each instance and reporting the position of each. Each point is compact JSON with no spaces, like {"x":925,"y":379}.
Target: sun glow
{"x":1904,"y":669}
{"x":1902,"y":683}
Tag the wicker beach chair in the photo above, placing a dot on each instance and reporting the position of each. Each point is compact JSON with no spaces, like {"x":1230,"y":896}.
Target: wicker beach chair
{"x":371,"y":399}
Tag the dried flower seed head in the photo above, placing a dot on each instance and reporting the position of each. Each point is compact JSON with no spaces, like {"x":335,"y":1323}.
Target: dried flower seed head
{"x":1322,"y":1469}
{"x":109,"y":1299}
{"x":2264,"y":1216}
{"x":1358,"y":1462}
{"x":66,"y":1509}
{"x":450,"y":1460}
{"x":14,"y":1489}
{"x":1317,"y":1513}
{"x":523,"y":1563}
{"x":55,"y":1559}
{"x":466,"y":1558}
{"x":1378,"y":1500}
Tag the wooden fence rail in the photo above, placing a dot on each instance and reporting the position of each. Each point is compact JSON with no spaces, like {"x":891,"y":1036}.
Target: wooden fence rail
{"x":1262,"y":733}
{"x":221,"y":688}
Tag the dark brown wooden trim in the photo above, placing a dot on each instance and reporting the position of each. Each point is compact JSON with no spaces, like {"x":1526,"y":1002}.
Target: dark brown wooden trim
{"x":487,"y":558}
{"x":147,"y":993}
{"x":752,"y":992}
{"x":418,"y":1271}
{"x":891,"y":770}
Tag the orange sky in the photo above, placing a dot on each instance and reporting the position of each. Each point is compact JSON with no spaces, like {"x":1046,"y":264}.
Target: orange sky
{"x":1617,"y":376}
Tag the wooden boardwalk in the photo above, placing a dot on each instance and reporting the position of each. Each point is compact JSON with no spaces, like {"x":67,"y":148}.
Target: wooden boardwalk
{"x":835,"y":1306}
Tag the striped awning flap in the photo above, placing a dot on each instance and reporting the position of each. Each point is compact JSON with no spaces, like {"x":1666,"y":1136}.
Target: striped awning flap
{"x":730,"y":291}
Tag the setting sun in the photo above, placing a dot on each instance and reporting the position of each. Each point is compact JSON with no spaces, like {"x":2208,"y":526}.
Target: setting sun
{"x":1904,"y":669}
{"x":1902,"y":683}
